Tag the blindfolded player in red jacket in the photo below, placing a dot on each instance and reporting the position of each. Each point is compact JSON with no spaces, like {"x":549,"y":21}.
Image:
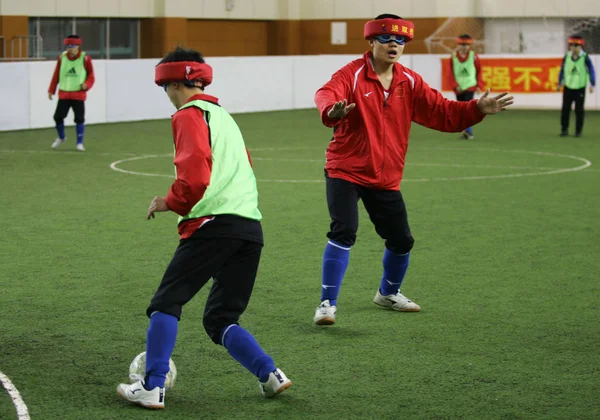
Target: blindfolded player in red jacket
{"x":370,"y":104}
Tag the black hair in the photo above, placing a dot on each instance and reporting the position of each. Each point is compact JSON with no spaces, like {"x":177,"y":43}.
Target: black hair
{"x":576,"y":37}
{"x":182,"y":54}
{"x":73,"y":36}
{"x":465,"y":36}
{"x":387,"y":16}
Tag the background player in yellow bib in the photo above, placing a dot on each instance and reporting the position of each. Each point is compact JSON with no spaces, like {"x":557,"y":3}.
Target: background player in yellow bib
{"x":575,"y":73}
{"x":74,"y":76}
{"x":466,"y":74}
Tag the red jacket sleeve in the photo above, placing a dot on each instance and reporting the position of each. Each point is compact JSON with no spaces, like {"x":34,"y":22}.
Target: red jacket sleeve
{"x":54,"y":81}
{"x":337,"y":89}
{"x":451,"y":73}
{"x":193,"y":160}
{"x":89,"y":68}
{"x":432,"y":110}
{"x":478,"y":72}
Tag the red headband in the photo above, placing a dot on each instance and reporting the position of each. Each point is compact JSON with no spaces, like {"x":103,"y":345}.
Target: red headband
{"x":389,"y":26}
{"x":464,"y":41}
{"x":577,"y":41}
{"x":72,"y":41}
{"x":179,"y":71}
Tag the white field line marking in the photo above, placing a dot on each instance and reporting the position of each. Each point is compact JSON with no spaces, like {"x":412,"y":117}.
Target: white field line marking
{"x":22,"y":412}
{"x":546,"y":170}
{"x":67,"y":152}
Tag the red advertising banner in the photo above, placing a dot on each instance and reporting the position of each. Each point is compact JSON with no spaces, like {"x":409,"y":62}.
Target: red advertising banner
{"x":517,"y":75}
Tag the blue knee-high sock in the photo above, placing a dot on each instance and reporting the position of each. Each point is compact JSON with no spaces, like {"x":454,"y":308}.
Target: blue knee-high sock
{"x":80,"y":128}
{"x":242,"y":346}
{"x":60,"y":129}
{"x":469,"y":131}
{"x":394,"y":270}
{"x":160,"y":342}
{"x":335,"y":262}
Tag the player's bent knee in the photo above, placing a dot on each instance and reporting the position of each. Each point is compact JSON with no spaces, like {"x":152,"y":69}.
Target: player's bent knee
{"x":346,"y":239}
{"x":401,"y":247}
{"x":169,"y":310}
{"x":214,"y":329}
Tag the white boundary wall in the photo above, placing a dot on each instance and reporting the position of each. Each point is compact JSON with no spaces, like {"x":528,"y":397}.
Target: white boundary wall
{"x":125,"y":89}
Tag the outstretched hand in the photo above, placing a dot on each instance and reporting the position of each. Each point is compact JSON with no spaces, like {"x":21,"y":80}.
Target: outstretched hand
{"x":487,"y":105}
{"x":340,"y":110}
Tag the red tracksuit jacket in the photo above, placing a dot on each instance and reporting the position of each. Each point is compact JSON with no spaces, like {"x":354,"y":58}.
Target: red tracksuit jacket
{"x":369,"y":145}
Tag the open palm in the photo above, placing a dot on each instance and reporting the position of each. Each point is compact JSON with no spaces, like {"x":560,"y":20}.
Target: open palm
{"x":489,"y":105}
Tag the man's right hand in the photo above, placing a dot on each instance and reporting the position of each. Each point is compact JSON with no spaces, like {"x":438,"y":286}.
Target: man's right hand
{"x":340,"y":110}
{"x":50,"y":95}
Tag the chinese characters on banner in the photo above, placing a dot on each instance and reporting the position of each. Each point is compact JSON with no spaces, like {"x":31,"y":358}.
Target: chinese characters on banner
{"x":517,"y":75}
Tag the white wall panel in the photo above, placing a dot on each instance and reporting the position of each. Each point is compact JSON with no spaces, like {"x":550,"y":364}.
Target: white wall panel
{"x":134,"y":97}
{"x":125,"y":91}
{"x":265,"y":84}
{"x":402,"y":8}
{"x":104,"y":8}
{"x":583,"y":8}
{"x":41,"y":109}
{"x":546,"y":8}
{"x":504,"y":8}
{"x":215,"y":9}
{"x":320,"y":9}
{"x":72,"y":8}
{"x":352,"y":9}
{"x":423,"y":8}
{"x":456,"y":8}
{"x":266,"y":9}
{"x":14,"y":99}
{"x":136,"y":8}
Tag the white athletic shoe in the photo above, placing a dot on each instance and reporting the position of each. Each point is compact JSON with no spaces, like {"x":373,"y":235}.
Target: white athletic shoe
{"x":276,"y":384}
{"x":397,"y":302}
{"x":58,"y":142}
{"x":80,"y":147}
{"x":137,"y":394}
{"x":325,"y":314}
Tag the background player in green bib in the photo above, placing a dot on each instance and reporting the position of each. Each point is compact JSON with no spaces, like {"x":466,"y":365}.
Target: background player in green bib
{"x":215,"y":195}
{"x":466,"y":73}
{"x":575,"y":73}
{"x":74,"y":76}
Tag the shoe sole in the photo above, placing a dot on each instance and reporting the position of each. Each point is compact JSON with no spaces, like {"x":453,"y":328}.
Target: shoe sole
{"x":325,"y":321}
{"x":398,"y":310}
{"x":283,"y":388}
{"x":151,"y":407}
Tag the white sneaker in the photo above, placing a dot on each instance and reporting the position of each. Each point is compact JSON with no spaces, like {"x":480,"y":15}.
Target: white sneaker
{"x":58,"y":142}
{"x":325,"y":314}
{"x":397,"y":302}
{"x":137,"y":394}
{"x":80,"y":147}
{"x":276,"y":384}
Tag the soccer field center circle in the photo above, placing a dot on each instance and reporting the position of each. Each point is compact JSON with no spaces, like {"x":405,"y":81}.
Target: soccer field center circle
{"x":537,"y":170}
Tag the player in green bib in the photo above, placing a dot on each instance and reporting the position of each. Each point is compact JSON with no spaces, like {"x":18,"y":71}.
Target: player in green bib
{"x":74,"y":76}
{"x":215,"y":196}
{"x":466,"y":74}
{"x":576,"y":72}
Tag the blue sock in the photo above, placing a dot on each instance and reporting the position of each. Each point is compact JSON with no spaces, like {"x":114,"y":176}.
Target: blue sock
{"x":335,"y":262}
{"x":160,"y":342}
{"x":469,"y":131}
{"x":60,"y":129}
{"x":394,"y":269}
{"x":80,"y":128}
{"x":242,"y":346}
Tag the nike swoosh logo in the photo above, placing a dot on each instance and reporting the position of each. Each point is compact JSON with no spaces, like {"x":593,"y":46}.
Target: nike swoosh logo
{"x":391,"y":284}
{"x":367,"y":94}
{"x":325,"y":286}
{"x":135,"y":390}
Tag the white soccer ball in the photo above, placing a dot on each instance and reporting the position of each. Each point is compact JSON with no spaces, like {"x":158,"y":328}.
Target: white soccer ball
{"x":137,"y":370}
